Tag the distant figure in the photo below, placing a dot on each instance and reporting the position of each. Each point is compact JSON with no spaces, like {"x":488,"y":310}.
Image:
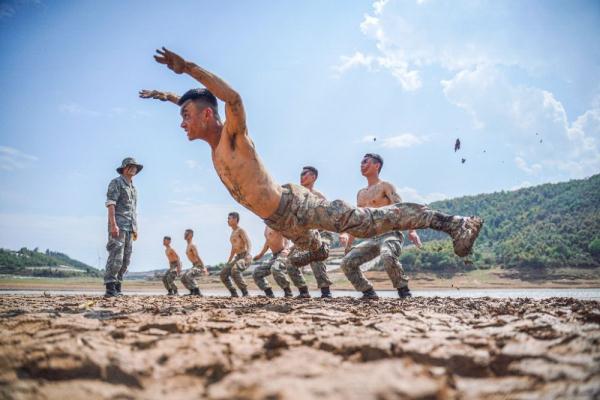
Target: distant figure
{"x":457,"y":145}
{"x":377,"y":194}
{"x":174,"y":268}
{"x":462,"y":160}
{"x":198,"y":269}
{"x":277,"y":264}
{"x":239,"y":258}
{"x":290,"y":209}
{"x":298,"y":258}
{"x":121,"y":201}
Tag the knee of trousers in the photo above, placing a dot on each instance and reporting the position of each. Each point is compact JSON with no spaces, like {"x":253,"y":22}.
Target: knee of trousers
{"x":349,"y":264}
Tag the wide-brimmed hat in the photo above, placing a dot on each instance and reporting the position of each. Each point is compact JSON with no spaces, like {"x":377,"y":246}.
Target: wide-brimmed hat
{"x":129,"y":161}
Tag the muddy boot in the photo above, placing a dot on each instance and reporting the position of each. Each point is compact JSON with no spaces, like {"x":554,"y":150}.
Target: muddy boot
{"x":404,"y":292}
{"x":175,"y":292}
{"x":110,"y":290}
{"x":326,"y":293}
{"x":463,"y":230}
{"x":118,"y":288}
{"x":170,"y":293}
{"x":197,"y":292}
{"x":303,"y":293}
{"x":369,"y":295}
{"x":233,"y":293}
{"x":245,"y":292}
{"x":269,"y":292}
{"x":287,"y":292}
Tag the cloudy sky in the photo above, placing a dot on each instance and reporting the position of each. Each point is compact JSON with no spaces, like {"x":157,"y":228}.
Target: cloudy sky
{"x":323,"y":83}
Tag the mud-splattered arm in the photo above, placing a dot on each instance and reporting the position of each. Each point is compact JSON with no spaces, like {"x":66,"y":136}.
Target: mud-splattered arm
{"x":158,"y":95}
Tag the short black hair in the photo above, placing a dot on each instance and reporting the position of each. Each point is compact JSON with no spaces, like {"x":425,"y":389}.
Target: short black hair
{"x":167,"y":238}
{"x":234,"y":215}
{"x":377,"y":158}
{"x":312,"y":169}
{"x":189,"y":231}
{"x":202,"y":97}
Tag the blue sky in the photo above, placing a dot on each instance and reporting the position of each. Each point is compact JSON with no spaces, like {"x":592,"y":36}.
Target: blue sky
{"x":320,"y":80}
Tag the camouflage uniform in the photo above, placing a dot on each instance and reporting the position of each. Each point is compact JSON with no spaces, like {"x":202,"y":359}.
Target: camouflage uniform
{"x":301,"y":214}
{"x":123,"y":196}
{"x":318,"y":267}
{"x":189,"y":277}
{"x":388,"y":246}
{"x":276,"y":265}
{"x":234,"y":270}
{"x":171,"y":275}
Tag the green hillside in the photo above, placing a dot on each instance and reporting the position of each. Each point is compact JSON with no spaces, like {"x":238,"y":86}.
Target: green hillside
{"x":49,"y":263}
{"x":546,"y":226}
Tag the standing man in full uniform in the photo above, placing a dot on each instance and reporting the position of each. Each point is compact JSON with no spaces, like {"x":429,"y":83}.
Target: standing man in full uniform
{"x":121,"y":202}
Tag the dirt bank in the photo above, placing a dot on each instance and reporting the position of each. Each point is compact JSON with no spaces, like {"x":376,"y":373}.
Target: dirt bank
{"x":68,"y":347}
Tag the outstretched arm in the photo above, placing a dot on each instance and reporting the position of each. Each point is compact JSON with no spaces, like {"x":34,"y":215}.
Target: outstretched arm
{"x":234,"y":109}
{"x":158,"y":95}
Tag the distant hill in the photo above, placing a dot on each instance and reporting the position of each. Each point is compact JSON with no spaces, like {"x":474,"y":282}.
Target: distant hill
{"x":27,"y":262}
{"x":546,"y":226}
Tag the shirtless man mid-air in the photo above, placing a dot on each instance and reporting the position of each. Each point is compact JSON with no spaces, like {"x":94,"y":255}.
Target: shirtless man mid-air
{"x":290,"y":209}
{"x":278,"y":245}
{"x":239,"y":258}
{"x":377,"y":194}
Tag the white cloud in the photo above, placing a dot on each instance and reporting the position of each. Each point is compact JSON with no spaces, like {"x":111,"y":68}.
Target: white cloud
{"x":521,"y":185}
{"x":12,"y":159}
{"x":76,"y":109}
{"x":355,"y":60}
{"x":404,"y":140}
{"x":411,"y":195}
{"x":192,"y":164}
{"x":533,"y":169}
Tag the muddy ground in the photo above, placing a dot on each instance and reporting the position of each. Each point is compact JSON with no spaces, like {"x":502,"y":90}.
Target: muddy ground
{"x":154,"y":347}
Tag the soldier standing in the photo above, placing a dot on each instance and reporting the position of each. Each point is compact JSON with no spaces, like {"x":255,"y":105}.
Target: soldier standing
{"x":121,"y":202}
{"x":198,"y":269}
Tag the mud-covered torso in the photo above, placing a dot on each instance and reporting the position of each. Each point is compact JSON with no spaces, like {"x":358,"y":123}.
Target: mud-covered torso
{"x":375,"y":196}
{"x":275,"y":240}
{"x":242,"y":172}
{"x":238,"y":244}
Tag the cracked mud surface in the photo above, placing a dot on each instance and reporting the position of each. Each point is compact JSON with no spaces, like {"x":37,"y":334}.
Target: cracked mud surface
{"x":70,"y":347}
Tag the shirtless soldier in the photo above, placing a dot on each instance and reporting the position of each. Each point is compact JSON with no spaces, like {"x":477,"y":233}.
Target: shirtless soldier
{"x":298,"y":259}
{"x":278,"y":245}
{"x":189,"y":277}
{"x":290,"y":209}
{"x":377,"y":194}
{"x":174,"y":268}
{"x":239,"y":258}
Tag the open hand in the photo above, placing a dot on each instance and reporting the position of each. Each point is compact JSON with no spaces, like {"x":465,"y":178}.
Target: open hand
{"x":171,"y":60}
{"x":153,"y":94}
{"x":413,"y":236}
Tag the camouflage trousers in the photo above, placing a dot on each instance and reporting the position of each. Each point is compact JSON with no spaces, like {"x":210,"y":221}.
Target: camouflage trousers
{"x":189,"y":277}
{"x":234,"y":270}
{"x":389,"y":247}
{"x":301,"y":214}
{"x":319,"y":268}
{"x":119,"y":254}
{"x":277,"y":266}
{"x":170,"y":276}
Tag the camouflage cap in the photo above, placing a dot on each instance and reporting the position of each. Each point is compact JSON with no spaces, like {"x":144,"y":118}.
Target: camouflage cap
{"x":129,"y":161}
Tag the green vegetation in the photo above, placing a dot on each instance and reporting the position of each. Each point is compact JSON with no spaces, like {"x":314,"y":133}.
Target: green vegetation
{"x":27,"y":262}
{"x":546,"y":226}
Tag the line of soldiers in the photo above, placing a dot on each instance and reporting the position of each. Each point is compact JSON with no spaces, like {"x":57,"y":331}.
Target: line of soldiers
{"x":122,"y":198}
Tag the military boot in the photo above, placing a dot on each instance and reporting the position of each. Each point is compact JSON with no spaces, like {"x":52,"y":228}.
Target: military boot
{"x":197,"y":292}
{"x":170,"y":292}
{"x":326,"y":293}
{"x":269,"y":292}
{"x":175,"y":292}
{"x":245,"y":292}
{"x":369,"y":295}
{"x":287,"y":292}
{"x":110,"y":290}
{"x":234,"y":293}
{"x":303,"y":293}
{"x":118,"y":288}
{"x":404,"y":292}
{"x":463,"y":230}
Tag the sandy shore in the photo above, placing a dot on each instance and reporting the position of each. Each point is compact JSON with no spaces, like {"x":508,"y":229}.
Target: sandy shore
{"x":70,"y":347}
